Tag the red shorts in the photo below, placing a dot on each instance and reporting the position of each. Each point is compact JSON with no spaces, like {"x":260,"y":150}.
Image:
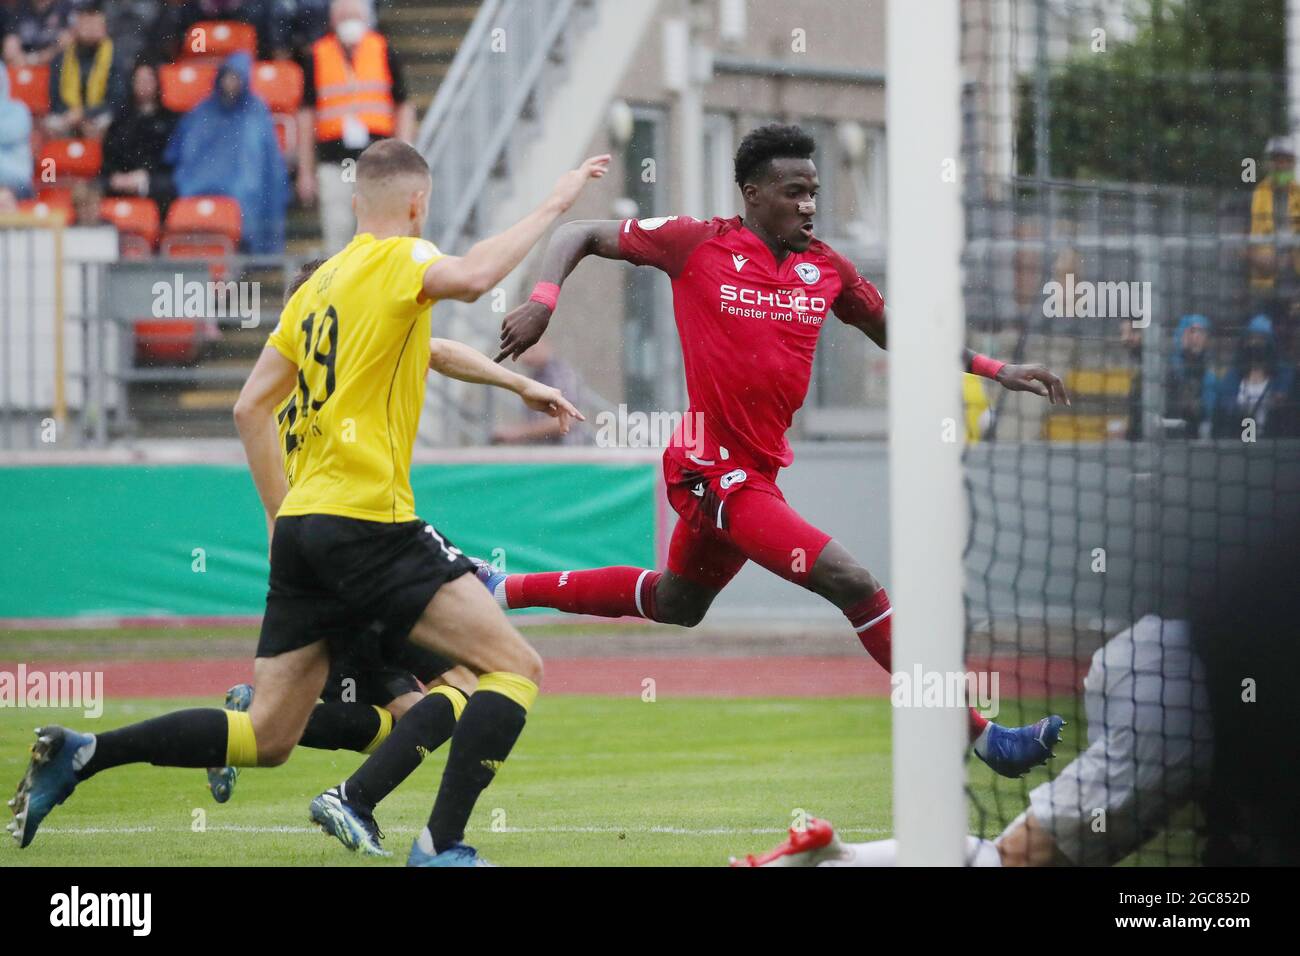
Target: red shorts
{"x":732,"y":514}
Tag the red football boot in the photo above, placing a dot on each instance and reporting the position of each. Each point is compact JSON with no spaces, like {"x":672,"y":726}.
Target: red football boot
{"x":807,"y":847}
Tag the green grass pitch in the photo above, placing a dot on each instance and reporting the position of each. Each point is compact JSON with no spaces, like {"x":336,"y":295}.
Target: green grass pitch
{"x":594,"y":781}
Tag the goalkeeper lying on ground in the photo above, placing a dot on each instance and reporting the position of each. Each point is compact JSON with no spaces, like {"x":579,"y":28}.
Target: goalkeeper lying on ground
{"x":1148,"y":755}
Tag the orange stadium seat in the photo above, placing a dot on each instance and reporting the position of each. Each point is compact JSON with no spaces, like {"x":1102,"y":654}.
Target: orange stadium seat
{"x":31,"y":85}
{"x":218,"y":39}
{"x":167,"y":341}
{"x":279,"y":84}
{"x":71,"y":157}
{"x":205,"y":214}
{"x":202,"y":227}
{"x":192,"y":245}
{"x":136,"y":217}
{"x":56,"y":196}
{"x":184,"y":85}
{"x":55,"y":206}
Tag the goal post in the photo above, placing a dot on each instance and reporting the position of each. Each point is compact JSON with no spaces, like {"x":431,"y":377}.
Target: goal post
{"x":928,"y":511}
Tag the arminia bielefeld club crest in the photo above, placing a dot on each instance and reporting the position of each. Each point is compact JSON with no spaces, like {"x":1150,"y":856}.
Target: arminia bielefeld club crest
{"x":808,"y":272}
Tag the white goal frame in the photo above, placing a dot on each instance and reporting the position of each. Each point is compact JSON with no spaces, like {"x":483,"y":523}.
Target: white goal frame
{"x":928,"y":514}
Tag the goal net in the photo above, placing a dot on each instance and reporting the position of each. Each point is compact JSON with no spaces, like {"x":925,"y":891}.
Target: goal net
{"x":1130,"y":221}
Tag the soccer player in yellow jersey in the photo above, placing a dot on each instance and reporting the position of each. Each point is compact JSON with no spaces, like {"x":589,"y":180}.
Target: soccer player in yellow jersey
{"x":347,"y":548}
{"x":375,"y":680}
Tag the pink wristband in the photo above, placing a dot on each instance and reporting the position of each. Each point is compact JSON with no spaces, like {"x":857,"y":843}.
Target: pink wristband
{"x":984,"y":366}
{"x":547,"y":293}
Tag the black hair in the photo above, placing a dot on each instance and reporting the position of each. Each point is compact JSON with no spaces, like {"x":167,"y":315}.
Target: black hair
{"x":761,"y":146}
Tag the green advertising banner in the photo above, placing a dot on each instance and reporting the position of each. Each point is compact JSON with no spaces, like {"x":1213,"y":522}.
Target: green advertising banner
{"x":189,"y":540}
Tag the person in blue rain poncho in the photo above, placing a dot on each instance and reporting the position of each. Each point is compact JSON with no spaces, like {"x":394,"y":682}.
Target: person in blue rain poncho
{"x":15,"y":143}
{"x":226,"y":146}
{"x":1190,"y":383}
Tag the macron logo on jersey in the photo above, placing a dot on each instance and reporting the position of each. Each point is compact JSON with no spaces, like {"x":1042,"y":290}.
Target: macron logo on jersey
{"x":738,"y":261}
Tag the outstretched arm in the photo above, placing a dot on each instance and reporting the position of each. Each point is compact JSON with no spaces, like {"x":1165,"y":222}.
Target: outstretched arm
{"x":863,"y":309}
{"x":488,"y":262}
{"x":459,"y":361}
{"x":1038,"y":379}
{"x":1015,"y":378}
{"x":570,"y":244}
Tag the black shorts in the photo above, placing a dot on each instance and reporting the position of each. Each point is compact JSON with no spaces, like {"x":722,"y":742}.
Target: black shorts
{"x":333,"y":578}
{"x":373,"y":671}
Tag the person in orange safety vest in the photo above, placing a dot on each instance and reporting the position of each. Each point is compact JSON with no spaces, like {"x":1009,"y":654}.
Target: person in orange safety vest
{"x":354,"y":93}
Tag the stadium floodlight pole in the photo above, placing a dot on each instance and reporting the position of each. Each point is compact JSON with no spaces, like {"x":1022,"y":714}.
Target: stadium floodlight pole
{"x":927,"y":506}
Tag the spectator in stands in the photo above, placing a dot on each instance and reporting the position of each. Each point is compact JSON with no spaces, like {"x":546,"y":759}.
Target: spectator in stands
{"x":354,"y":93}
{"x":128,"y":25}
{"x":87,"y":81}
{"x":1258,"y":386}
{"x":15,"y":143}
{"x":309,"y":20}
{"x":35,"y":31}
{"x":1190,"y":381}
{"x":1275,"y":214}
{"x":1131,"y":340}
{"x":226,"y":146}
{"x":86,"y":197}
{"x":168,"y":29}
{"x":542,"y":364}
{"x":135,"y":144}
{"x":262,"y":15}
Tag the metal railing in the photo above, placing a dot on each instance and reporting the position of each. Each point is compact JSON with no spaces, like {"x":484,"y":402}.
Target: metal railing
{"x":75,"y":366}
{"x":492,"y":88}
{"x":77,"y":370}
{"x":489,"y":86}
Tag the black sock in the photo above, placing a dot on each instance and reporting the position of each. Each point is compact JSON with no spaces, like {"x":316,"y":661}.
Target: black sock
{"x":185,"y":738}
{"x":423,"y":729}
{"x":341,"y":727}
{"x":484,"y":736}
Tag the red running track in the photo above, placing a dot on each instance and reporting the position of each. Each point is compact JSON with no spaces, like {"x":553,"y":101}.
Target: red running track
{"x":672,"y":676}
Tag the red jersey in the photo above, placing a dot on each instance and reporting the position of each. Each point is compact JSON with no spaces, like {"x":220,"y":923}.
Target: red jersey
{"x":748,"y":326}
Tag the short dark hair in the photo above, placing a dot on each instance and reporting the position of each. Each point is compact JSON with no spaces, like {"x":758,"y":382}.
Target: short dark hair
{"x":761,"y":146}
{"x":305,"y":272}
{"x":390,"y":157}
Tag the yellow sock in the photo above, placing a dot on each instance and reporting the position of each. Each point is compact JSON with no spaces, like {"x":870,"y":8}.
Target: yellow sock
{"x":454,"y":695}
{"x":241,"y":744}
{"x":385,"y":728}
{"x":514,"y":686}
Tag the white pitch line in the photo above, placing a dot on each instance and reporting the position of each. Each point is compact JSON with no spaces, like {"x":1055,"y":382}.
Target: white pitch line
{"x":666,"y":830}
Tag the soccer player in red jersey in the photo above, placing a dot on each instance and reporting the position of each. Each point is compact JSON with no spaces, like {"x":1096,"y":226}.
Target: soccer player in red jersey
{"x":750,"y":295}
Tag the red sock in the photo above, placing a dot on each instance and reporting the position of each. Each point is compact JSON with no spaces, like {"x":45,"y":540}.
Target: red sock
{"x":871,"y":620}
{"x":605,"y":592}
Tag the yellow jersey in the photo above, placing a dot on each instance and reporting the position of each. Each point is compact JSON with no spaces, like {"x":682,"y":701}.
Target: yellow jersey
{"x":358,"y":333}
